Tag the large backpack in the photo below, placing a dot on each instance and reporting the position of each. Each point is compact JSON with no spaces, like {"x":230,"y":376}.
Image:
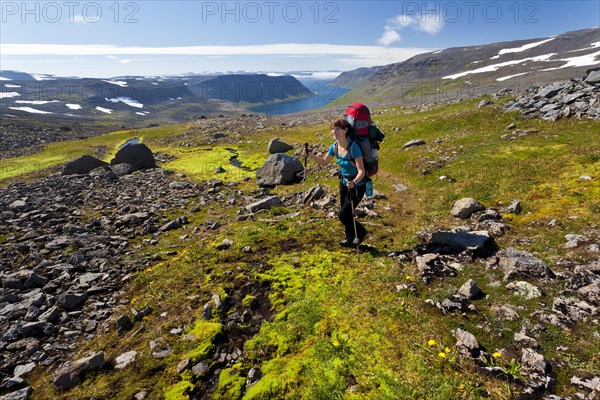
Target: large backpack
{"x":367,"y":135}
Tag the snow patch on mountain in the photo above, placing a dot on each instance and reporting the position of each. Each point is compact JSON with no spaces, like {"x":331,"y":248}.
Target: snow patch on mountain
{"x":581,"y":61}
{"x":30,"y":110}
{"x":127,"y":100}
{"x":504,"y":78}
{"x":524,"y":47}
{"x":118,"y":83}
{"x":36,"y":102}
{"x":495,"y":67}
{"x":5,"y":95}
{"x":104,"y":110}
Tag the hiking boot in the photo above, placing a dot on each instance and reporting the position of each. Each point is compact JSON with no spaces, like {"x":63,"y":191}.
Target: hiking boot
{"x":347,"y":243}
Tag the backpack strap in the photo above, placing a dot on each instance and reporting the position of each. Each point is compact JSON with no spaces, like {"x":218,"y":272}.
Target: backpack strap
{"x":349,"y":149}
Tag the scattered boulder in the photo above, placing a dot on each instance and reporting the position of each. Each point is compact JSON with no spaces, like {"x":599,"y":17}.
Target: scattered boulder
{"x":71,"y":374}
{"x":525,"y":290}
{"x":72,"y":300}
{"x":21,"y":394}
{"x":466,"y":343}
{"x":82,"y":165}
{"x":122,"y":169}
{"x":279,"y":146}
{"x":125,"y":359}
{"x":591,"y":293}
{"x":463,"y":208}
{"x":279,"y":169}
{"x":413,"y":143}
{"x":264,"y":204}
{"x":513,"y":208}
{"x":470,"y":290}
{"x":506,"y":312}
{"x":476,"y":241}
{"x":518,"y":263}
{"x":593,"y":77}
{"x":137,"y":155}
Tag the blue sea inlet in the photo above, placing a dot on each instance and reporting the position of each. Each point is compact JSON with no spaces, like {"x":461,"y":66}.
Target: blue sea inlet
{"x":320,"y":99}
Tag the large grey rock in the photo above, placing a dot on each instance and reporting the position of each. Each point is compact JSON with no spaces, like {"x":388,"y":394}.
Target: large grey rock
{"x":549,"y":91}
{"x":123,"y":169}
{"x":264,"y":204}
{"x":459,"y":241}
{"x":593,"y":77}
{"x":23,"y":279}
{"x":24,"y":369}
{"x":71,"y":300}
{"x":413,"y":143}
{"x":591,"y":292}
{"x":525,"y":290}
{"x":138,"y":155}
{"x":517,"y":263}
{"x":463,"y":208}
{"x":21,"y":394}
{"x":125,"y":359}
{"x":470,"y":290}
{"x":534,"y":363}
{"x":277,"y":145}
{"x":71,"y":374}
{"x":466,"y":343}
{"x":82,"y":165}
{"x":279,"y":169}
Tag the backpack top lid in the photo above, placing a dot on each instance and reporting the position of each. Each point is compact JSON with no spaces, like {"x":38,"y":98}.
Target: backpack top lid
{"x":359,"y":116}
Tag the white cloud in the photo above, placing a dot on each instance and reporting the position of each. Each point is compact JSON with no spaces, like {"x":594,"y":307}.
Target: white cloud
{"x":429,"y":23}
{"x":301,"y":50}
{"x":119,"y":59}
{"x":389,"y":36}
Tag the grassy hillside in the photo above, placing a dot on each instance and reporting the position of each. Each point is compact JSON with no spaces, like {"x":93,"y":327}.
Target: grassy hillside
{"x":328,"y":323}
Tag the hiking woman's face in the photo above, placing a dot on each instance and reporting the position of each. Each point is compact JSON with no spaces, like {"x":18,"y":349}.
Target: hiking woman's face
{"x":338,"y":132}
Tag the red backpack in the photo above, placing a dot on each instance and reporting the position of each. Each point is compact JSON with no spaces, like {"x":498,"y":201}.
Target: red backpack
{"x":367,"y":135}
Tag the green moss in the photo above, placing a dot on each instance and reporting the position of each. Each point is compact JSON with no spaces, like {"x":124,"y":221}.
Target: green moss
{"x":205,"y":330}
{"x":203,"y":351}
{"x":249,"y":300}
{"x":231,"y":385}
{"x":179,"y":391}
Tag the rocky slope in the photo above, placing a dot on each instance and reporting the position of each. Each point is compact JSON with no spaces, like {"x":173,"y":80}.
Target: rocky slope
{"x":71,"y":244}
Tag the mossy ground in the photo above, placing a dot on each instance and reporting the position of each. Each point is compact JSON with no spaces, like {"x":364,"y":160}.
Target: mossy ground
{"x":339,"y":328}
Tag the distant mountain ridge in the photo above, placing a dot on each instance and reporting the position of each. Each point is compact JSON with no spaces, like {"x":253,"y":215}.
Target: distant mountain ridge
{"x":477,"y":70}
{"x":156,"y":99}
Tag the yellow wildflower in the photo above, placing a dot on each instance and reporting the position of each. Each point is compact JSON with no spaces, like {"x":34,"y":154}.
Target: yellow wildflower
{"x":447,"y":350}
{"x":496,"y":355}
{"x":432,"y":342}
{"x":335,"y":343}
{"x":442,"y":355}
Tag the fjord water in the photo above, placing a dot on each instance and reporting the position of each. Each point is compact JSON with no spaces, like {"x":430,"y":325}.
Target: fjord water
{"x":325,"y":93}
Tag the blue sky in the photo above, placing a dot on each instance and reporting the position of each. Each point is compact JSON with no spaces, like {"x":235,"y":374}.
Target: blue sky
{"x":112,"y":38}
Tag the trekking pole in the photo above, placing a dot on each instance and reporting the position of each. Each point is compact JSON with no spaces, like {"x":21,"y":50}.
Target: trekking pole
{"x":355,"y":241}
{"x":305,"y":160}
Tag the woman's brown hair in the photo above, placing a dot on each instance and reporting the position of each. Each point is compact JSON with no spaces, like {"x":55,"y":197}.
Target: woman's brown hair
{"x":341,"y":123}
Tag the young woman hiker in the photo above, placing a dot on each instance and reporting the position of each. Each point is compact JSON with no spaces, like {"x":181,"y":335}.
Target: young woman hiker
{"x":352,"y":179}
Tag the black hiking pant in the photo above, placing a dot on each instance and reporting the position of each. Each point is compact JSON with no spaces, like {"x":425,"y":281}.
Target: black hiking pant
{"x":346,"y":211}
